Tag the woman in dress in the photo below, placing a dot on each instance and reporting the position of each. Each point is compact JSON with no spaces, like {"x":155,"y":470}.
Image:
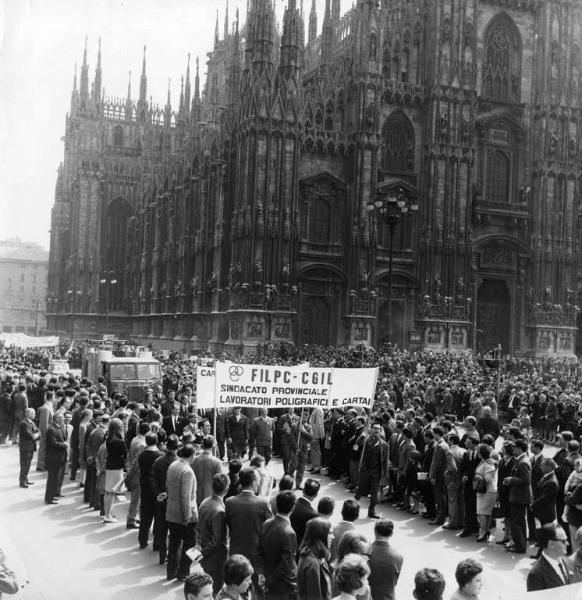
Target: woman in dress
{"x":116,"y":462}
{"x":352,"y":577}
{"x":487,"y":470}
{"x":313,"y":571}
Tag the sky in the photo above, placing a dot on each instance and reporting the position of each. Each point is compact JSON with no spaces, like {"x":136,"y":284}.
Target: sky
{"x":40,"y":42}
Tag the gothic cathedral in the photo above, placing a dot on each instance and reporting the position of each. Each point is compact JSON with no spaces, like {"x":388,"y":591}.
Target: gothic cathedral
{"x":241,"y":217}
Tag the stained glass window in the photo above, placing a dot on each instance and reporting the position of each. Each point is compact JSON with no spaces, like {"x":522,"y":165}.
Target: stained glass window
{"x":502,"y":65}
{"x":398,"y":144}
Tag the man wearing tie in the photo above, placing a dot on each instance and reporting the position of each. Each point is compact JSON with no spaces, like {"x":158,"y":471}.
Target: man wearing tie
{"x":173,"y":424}
{"x":56,"y":457}
{"x":552,"y":569}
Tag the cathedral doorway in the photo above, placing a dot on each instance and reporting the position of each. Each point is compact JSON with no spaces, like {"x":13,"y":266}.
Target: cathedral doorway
{"x":398,"y":328}
{"x":315,"y":321}
{"x":493,"y":316}
{"x":319,"y":305}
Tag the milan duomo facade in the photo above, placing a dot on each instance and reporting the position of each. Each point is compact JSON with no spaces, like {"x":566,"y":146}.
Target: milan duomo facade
{"x":241,"y":217}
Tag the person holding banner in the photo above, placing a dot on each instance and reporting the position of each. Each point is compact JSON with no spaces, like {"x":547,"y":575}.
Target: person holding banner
{"x":262,"y":434}
{"x":289,"y":436}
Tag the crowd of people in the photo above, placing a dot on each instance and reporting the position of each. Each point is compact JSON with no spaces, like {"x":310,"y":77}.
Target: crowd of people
{"x":450,"y":438}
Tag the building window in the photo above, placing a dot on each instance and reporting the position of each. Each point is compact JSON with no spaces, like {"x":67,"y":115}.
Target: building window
{"x":502,"y":64}
{"x":22,"y":277}
{"x":498,"y":176}
{"x":22,"y":288}
{"x":118,"y":136}
{"x":398,"y":144}
{"x":7,"y":329}
{"x":319,"y":221}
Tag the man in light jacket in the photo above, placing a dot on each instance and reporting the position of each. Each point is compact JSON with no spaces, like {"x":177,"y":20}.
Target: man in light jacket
{"x":181,"y":513}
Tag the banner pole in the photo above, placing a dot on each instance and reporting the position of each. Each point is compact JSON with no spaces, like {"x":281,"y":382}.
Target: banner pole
{"x":300,"y":421}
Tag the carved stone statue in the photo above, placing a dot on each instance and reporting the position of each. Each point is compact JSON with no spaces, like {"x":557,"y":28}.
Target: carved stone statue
{"x":258,"y":274}
{"x":195,"y":284}
{"x":459,"y":289}
{"x":285,"y":275}
{"x":437,"y":289}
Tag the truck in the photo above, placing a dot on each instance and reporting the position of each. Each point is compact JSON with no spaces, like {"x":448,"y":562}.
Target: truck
{"x":129,"y":375}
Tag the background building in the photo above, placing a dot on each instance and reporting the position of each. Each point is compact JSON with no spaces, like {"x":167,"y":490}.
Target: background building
{"x":241,"y":217}
{"x":23,"y":281}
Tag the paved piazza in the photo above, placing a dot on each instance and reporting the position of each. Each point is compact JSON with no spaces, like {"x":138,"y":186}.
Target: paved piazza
{"x":67,"y":547}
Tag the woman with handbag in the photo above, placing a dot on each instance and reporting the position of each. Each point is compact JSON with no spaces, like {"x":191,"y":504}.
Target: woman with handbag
{"x":485,"y":486}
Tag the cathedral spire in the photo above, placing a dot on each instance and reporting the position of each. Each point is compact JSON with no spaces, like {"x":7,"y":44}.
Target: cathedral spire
{"x":129,"y":86}
{"x":168,"y":107}
{"x":292,"y":40}
{"x":216,"y":31}
{"x":187,"y":87}
{"x":226,"y":22}
{"x":97,"y":82}
{"x":336,"y":11}
{"x":74,"y":93}
{"x":128,"y":102}
{"x":143,"y":82}
{"x":263,"y":33}
{"x":326,"y":34}
{"x":84,"y":88}
{"x":312,"y":23}
{"x":197,"y":81}
{"x":181,"y":104}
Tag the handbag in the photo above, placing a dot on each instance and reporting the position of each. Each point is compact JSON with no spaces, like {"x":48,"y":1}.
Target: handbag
{"x":479,"y":484}
{"x":497,"y":512}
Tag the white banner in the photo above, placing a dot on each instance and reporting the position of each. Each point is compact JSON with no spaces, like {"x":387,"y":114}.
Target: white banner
{"x":205,"y":384}
{"x":20,"y":340}
{"x":281,"y":387}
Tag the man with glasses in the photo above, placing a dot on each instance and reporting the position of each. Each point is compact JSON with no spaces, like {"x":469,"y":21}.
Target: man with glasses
{"x":552,"y":569}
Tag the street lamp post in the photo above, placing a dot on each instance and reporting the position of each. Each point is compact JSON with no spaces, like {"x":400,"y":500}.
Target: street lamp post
{"x":107,"y":281}
{"x":390,"y":206}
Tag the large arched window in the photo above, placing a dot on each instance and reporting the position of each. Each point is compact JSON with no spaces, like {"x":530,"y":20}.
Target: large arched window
{"x":498,"y":176}
{"x":502,"y":61}
{"x":398,"y":144}
{"x":118,"y":136}
{"x":319,"y":221}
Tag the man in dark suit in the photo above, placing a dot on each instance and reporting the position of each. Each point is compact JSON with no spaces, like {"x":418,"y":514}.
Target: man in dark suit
{"x":425,"y":485}
{"x":19,"y":406}
{"x":536,"y":450}
{"x":28,"y":434}
{"x":206,"y":466}
{"x":350,"y":514}
{"x":543,"y":507}
{"x":520,"y":496}
{"x":552,"y":569}
{"x":437,"y":475}
{"x":212,"y":527}
{"x":385,"y":562}
{"x":56,"y":457}
{"x":237,"y":430}
{"x":374,"y":467}
{"x":468,"y":465}
{"x":245,"y":515}
{"x":278,"y":550}
{"x":173,"y":423}
{"x":303,"y":510}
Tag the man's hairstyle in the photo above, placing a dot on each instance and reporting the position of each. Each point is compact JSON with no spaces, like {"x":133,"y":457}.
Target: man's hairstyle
{"x":151,"y":439}
{"x":407,"y":432}
{"x":547,"y":533}
{"x":194,"y":583}
{"x":537,"y":444}
{"x":186,"y":451}
{"x":521,"y":444}
{"x":453,"y":439}
{"x":286,"y":483}
{"x":466,"y":571}
{"x":350,"y":510}
{"x":285,"y":501}
{"x":429,"y":434}
{"x":471,"y":421}
{"x":573,"y":446}
{"x":473,"y":439}
{"x":311,"y":488}
{"x":384,"y":527}
{"x":484,"y":451}
{"x":234,"y":466}
{"x":236,"y":569}
{"x":326,"y":506}
{"x":220,"y":483}
{"x":438,"y":430}
{"x":132,"y":405}
{"x":257,"y":461}
{"x":144,"y":428}
{"x":208,"y":443}
{"x":429,"y":584}
{"x":549,"y":461}
{"x":247,"y":477}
